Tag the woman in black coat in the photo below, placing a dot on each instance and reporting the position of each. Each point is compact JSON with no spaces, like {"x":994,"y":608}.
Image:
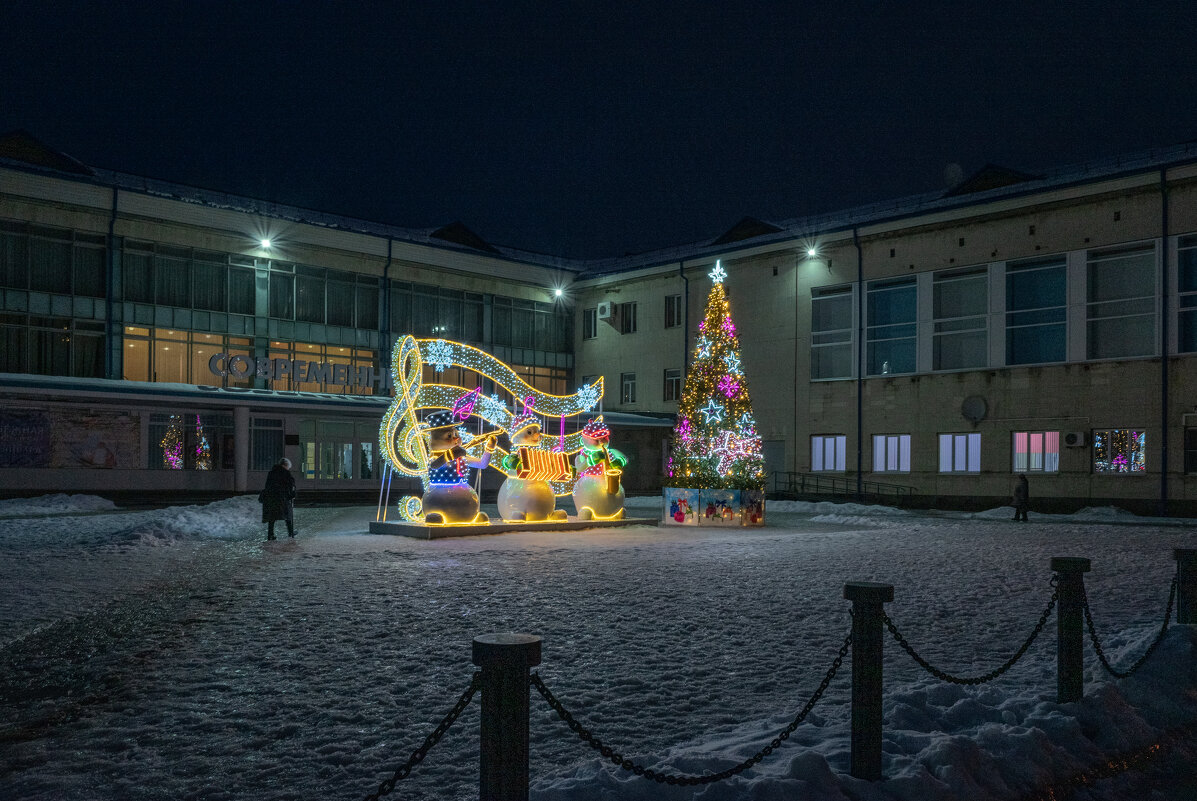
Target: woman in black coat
{"x":278,"y":498}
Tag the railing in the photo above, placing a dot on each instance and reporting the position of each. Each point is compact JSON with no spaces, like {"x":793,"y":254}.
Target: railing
{"x":797,"y":484}
{"x":505,"y":680}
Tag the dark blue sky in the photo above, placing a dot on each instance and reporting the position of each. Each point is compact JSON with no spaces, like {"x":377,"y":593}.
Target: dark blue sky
{"x":593,"y":129}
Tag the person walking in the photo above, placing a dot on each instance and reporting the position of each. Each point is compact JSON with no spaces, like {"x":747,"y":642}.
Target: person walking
{"x":278,"y":498}
{"x":1022,"y":497}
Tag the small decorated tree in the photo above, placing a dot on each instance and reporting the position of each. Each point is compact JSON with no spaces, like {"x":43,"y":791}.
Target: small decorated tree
{"x":715,"y":443}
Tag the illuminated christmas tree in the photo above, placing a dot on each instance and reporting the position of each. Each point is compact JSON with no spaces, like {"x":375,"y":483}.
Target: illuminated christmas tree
{"x":172,"y":444}
{"x":715,"y":443}
{"x":203,"y":450}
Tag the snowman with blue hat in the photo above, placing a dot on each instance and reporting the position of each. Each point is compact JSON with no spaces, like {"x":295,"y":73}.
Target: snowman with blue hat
{"x":449,"y":499}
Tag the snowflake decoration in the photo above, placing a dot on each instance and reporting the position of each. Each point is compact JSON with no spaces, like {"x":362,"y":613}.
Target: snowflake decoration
{"x":465,"y":433}
{"x":733,"y":363}
{"x":588,"y":396}
{"x":718,"y":274}
{"x":729,"y":386}
{"x":684,"y":429}
{"x":712,"y":412}
{"x":729,"y":327}
{"x":492,"y":408}
{"x":440,"y":355}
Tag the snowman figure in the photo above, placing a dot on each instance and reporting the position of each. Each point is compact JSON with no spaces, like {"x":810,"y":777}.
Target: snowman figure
{"x":526,"y":499}
{"x":598,"y":495}
{"x":449,"y":499}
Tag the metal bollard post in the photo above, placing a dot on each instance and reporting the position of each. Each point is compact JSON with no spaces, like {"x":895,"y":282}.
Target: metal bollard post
{"x":505,"y":660}
{"x":1186,"y":584}
{"x":867,"y":629}
{"x":1070,"y":628}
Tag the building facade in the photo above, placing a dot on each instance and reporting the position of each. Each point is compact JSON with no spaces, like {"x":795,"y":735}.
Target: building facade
{"x":938,"y":345}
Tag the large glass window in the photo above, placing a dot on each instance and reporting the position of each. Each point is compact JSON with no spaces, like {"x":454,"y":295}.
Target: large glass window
{"x":960,"y":453}
{"x":1186,"y":265}
{"x":162,"y":354}
{"x":831,"y":333}
{"x":309,"y":294}
{"x":190,"y":440}
{"x":892,"y":312}
{"x":1036,"y":451}
{"x":266,"y":442}
{"x":1119,"y":450}
{"x":282,"y":295}
{"x":1121,"y":308}
{"x":1036,"y":304}
{"x":172,"y":276}
{"x":828,"y":452}
{"x":211,"y":282}
{"x":891,"y":453}
{"x":52,"y":259}
{"x":961,"y":304}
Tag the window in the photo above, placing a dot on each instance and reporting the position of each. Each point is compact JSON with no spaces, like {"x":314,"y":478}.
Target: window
{"x":627,"y":318}
{"x":627,"y":387}
{"x":1035,"y":310}
{"x":828,"y":452}
{"x":1186,"y":265}
{"x":589,"y":323}
{"x":960,"y":453}
{"x":282,"y":296}
{"x":1119,"y":450}
{"x":673,"y":311}
{"x":266,"y":442}
{"x":1191,"y":450}
{"x":891,"y":453}
{"x":1036,"y":451}
{"x":1121,"y":310}
{"x":892,"y":307}
{"x":831,"y":333}
{"x":190,"y":441}
{"x":960,"y":303}
{"x":673,"y":384}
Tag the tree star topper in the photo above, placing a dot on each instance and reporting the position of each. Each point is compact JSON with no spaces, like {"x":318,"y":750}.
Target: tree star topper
{"x":718,"y":274}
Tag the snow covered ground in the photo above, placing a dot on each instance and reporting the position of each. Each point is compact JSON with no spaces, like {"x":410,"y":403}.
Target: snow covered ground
{"x":174,"y":654}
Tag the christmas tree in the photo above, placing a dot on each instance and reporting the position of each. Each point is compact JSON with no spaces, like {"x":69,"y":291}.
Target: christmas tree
{"x":172,"y":444}
{"x":715,"y":443}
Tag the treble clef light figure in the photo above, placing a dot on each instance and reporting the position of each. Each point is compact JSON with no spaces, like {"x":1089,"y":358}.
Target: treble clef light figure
{"x":400,"y":437}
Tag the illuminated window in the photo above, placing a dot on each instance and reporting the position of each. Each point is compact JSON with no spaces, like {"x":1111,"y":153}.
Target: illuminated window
{"x":828,"y":452}
{"x":1036,"y":451}
{"x":960,"y":453}
{"x":1119,"y":450}
{"x":891,"y":453}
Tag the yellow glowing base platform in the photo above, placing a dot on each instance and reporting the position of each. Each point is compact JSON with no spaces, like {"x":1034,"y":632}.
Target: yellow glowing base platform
{"x":423,"y":532}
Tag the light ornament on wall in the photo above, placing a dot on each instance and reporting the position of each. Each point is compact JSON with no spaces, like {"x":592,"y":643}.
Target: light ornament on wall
{"x":712,"y":411}
{"x":402,"y":437}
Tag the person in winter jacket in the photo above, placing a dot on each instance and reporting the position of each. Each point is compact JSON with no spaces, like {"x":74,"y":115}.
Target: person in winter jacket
{"x":1022,"y":497}
{"x":278,"y":498}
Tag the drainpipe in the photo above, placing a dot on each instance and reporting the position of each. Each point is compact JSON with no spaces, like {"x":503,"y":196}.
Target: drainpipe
{"x":384,"y":324}
{"x":686,"y":317}
{"x":1164,"y":333}
{"x":860,"y":362}
{"x":109,"y":291}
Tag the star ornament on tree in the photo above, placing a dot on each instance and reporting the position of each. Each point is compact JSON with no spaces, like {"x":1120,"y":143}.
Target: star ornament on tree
{"x":718,"y":274}
{"x":733,"y":363}
{"x":712,"y":411}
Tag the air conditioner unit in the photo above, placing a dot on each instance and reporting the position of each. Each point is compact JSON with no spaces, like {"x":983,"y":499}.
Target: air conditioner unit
{"x":1074,"y":439}
{"x":606,"y":310}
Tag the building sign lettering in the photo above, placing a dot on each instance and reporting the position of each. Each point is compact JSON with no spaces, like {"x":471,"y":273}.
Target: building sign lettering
{"x":242,"y":367}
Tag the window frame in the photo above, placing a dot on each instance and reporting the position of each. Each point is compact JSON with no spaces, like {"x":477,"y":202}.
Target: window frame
{"x":627,"y":317}
{"x":673,"y":382}
{"x":673,"y":311}
{"x":590,"y":323}
{"x":895,"y":449}
{"x":957,"y":327}
{"x":1136,"y":432}
{"x":819,"y":453}
{"x":1105,"y":310}
{"x":1049,"y":461}
{"x":971,"y":442}
{"x":828,"y":339}
{"x":890,"y":332}
{"x":627,"y":388}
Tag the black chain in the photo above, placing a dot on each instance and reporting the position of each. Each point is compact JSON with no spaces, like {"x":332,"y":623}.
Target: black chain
{"x":418,"y":755}
{"x":689,"y":781}
{"x":1146,"y":654}
{"x":993,"y":674}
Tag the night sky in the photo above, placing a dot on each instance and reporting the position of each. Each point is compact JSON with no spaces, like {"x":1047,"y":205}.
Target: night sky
{"x":593,"y":129}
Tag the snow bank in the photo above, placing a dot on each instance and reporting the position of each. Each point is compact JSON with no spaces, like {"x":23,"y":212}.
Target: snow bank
{"x":59,"y":504}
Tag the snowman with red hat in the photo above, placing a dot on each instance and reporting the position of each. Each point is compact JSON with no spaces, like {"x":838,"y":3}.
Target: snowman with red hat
{"x":598,"y":494}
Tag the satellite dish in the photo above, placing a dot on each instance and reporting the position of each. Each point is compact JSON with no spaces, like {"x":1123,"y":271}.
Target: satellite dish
{"x":974,"y":408}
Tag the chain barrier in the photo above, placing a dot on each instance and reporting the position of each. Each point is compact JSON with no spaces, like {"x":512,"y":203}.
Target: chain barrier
{"x":1146,"y":654}
{"x":417,"y":756}
{"x":691,"y":781}
{"x":993,"y":674}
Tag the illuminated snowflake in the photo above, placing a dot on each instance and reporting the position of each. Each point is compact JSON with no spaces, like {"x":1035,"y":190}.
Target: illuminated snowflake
{"x":729,"y":327}
{"x":684,"y":430}
{"x":718,"y":274}
{"x":729,"y":386}
{"x":588,"y":396}
{"x":439,"y":355}
{"x":712,"y":412}
{"x":493,"y":408}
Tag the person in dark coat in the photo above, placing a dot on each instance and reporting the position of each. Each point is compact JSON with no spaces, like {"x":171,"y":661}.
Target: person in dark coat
{"x":278,"y":498}
{"x":1022,"y":497}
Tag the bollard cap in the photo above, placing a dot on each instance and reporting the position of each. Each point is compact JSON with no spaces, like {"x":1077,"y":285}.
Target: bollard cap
{"x":868,"y":592}
{"x":506,"y":649}
{"x":1070,"y":564}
